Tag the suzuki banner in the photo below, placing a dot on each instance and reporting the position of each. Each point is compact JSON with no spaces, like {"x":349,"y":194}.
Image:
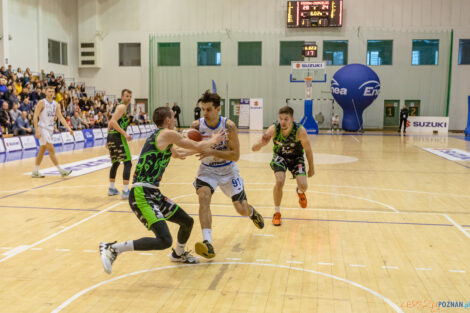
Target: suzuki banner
{"x":256,"y":114}
{"x":427,"y":124}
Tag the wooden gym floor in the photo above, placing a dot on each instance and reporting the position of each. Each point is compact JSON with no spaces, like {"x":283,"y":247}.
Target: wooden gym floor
{"x":387,"y":223}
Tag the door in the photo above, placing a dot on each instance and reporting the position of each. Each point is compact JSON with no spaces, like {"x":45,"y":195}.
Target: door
{"x":391,"y":112}
{"x":234,"y":110}
{"x":413,"y":107}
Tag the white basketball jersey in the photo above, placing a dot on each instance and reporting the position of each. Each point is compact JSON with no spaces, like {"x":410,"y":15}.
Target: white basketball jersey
{"x":206,"y":133}
{"x":47,"y":115}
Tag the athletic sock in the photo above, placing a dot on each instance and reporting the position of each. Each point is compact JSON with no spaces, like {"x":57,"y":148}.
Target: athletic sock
{"x":277,"y":209}
{"x":125,"y":188}
{"x":179,"y":248}
{"x":207,"y":234}
{"x":36,"y":168}
{"x":111,"y":185}
{"x":123,"y":246}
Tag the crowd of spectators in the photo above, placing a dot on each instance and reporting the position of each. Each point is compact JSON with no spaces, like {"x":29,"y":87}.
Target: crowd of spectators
{"x":20,"y":91}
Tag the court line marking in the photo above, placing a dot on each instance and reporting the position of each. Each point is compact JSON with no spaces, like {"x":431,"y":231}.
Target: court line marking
{"x":457,"y":225}
{"x":357,"y":265}
{"x":457,"y":271}
{"x":263,"y":260}
{"x":391,"y":267}
{"x":23,"y":248}
{"x":325,"y":263}
{"x":355,"y":138}
{"x":295,"y":262}
{"x":423,"y":269}
{"x":344,"y":280}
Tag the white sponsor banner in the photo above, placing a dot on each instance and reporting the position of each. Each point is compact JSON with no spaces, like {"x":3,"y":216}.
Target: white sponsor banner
{"x":105,"y":132}
{"x":428,"y":124}
{"x":2,"y":147}
{"x":153,"y":126}
{"x":142,"y":129}
{"x":56,"y":139}
{"x":244,"y":114}
{"x":256,"y":114}
{"x":451,"y":154}
{"x":78,"y":135}
{"x":12,"y":144}
{"x":97,"y":133}
{"x":67,"y":138}
{"x":28,"y":142}
{"x":307,"y":65}
{"x":82,"y":167}
{"x":129,"y":131}
{"x":135,"y":129}
{"x":148,"y":128}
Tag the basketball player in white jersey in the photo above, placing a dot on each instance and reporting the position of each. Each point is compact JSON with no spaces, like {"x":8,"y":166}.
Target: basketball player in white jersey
{"x":218,"y":168}
{"x":44,"y":117}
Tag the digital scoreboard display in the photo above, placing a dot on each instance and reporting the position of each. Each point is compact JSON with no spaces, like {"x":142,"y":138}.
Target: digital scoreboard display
{"x":309,"y":49}
{"x":308,"y":14}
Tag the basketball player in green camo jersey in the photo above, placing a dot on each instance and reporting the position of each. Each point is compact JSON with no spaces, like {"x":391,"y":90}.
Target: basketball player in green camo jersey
{"x":290,"y":141}
{"x":118,"y":147}
{"x":151,"y":207}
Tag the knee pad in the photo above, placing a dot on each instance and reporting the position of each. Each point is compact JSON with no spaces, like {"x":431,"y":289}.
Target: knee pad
{"x":240,"y":197}
{"x":127,"y":170}
{"x":112,"y":172}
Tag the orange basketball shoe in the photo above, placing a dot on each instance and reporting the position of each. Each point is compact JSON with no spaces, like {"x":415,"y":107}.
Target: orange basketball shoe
{"x":302,"y":199}
{"x":277,"y":219}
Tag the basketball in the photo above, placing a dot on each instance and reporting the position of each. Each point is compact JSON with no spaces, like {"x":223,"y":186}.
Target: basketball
{"x":192,"y":134}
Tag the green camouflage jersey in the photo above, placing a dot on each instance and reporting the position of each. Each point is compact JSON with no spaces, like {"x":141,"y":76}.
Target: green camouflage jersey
{"x":123,"y":122}
{"x":288,"y":146}
{"x":152,"y":162}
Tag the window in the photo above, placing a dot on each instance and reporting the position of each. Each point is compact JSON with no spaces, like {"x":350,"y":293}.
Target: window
{"x":379,"y":52}
{"x":335,"y":52}
{"x":169,"y":54}
{"x":208,"y":53}
{"x":57,"y":52}
{"x":425,"y":52}
{"x":290,"y":51}
{"x":249,"y":53}
{"x":464,"y":51}
{"x":129,"y":54}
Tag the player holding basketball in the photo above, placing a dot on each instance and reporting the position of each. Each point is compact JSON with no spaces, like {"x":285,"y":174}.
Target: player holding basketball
{"x":151,"y":207}
{"x":290,"y":141}
{"x":118,"y":147}
{"x":44,"y":117}
{"x":218,"y":168}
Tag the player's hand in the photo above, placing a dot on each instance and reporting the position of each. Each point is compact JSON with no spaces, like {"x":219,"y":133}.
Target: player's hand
{"x":38,"y":135}
{"x":265,"y":138}
{"x":71,"y":132}
{"x":128,"y":137}
{"x":204,"y":154}
{"x":219,"y":136}
{"x":106,"y":145}
{"x":311,"y":172}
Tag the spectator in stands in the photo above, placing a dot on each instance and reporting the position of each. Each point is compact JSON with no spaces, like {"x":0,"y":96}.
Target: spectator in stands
{"x":197,"y":111}
{"x":18,"y":86}
{"x":3,"y":70}
{"x":5,"y":118}
{"x":15,"y":113}
{"x":22,"y":126}
{"x":9,"y":71}
{"x":177,"y":111}
{"x":3,"y":86}
{"x":101,"y":120}
{"x":26,"y":105}
{"x":34,"y":95}
{"x":19,"y":73}
{"x":91,"y":120}
{"x":77,"y":122}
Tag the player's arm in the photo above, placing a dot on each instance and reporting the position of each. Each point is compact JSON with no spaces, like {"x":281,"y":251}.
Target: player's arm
{"x":173,"y":137}
{"x":264,"y":140}
{"x":302,"y":136}
{"x":181,"y":153}
{"x":113,"y":123}
{"x":62,"y":119}
{"x":37,"y":111}
{"x":233,"y":153}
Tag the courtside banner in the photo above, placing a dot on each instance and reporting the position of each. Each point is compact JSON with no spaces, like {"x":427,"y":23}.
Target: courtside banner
{"x":256,"y":114}
{"x":78,"y":135}
{"x":67,"y":138}
{"x":142,"y":129}
{"x":135,"y":129}
{"x":148,"y":128}
{"x":451,"y":154}
{"x":428,"y":124}
{"x":81,"y":167}
{"x":105,"y":132}
{"x":56,"y":139}
{"x":97,"y":133}
{"x":2,"y":147}
{"x":129,"y":131}
{"x":88,"y":133}
{"x":12,"y":144}
{"x":28,"y":142}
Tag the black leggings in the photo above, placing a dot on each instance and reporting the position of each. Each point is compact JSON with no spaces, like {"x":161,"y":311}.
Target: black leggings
{"x":163,"y":238}
{"x":126,"y":174}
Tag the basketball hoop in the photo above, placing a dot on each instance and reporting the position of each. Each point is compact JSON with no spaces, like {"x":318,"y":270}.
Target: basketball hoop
{"x":308,"y":87}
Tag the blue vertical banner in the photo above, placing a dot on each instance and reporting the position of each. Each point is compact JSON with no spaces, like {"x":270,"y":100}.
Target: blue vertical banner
{"x":214,"y":87}
{"x":467,"y":130}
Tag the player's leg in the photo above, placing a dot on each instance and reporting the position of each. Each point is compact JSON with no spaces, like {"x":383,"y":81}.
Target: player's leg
{"x":52,"y":155}
{"x":204,"y":191}
{"x":112,"y":190}
{"x":127,"y":159}
{"x":39,"y":157}
{"x":297,"y":168}
{"x":278,"y":165}
{"x":179,"y":253}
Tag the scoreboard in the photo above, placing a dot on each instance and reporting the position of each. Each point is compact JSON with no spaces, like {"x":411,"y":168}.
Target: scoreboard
{"x":308,"y":14}
{"x":309,"y":49}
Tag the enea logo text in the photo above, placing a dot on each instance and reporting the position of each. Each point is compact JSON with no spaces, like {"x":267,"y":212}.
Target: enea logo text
{"x":371,"y":88}
{"x":336,"y":90}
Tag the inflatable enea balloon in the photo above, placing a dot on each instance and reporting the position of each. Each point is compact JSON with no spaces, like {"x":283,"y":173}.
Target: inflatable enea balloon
{"x":354,"y":87}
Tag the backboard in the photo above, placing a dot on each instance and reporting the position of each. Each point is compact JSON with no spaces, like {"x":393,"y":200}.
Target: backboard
{"x":301,"y":70}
